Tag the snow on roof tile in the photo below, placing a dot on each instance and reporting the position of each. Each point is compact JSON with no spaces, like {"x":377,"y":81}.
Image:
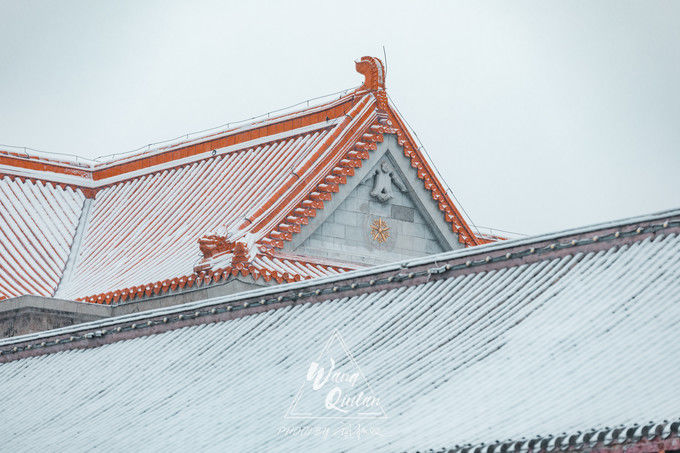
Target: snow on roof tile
{"x":559,"y":341}
{"x":171,"y":210}
{"x":260,"y":181}
{"x":37,"y":225}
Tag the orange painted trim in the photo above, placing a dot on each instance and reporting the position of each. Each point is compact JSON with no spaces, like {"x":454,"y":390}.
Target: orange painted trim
{"x":232,"y":139}
{"x":205,"y":278}
{"x":272,"y":127}
{"x":306,"y":207}
{"x":281,"y":199}
{"x":353,"y":159}
{"x":33,"y":163}
{"x":86,"y":191}
{"x":417,"y":156}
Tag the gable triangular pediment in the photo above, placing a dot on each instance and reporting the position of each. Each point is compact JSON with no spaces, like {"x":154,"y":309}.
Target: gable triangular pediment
{"x":382,"y":214}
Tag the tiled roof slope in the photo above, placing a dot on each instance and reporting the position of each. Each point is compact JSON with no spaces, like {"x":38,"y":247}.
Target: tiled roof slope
{"x":150,"y":226}
{"x":253,"y":186}
{"x":37,"y":224}
{"x":563,"y":342}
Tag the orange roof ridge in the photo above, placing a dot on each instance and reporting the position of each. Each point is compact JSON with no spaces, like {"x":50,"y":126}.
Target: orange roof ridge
{"x":280,"y":267}
{"x":93,"y":175}
{"x":58,"y":158}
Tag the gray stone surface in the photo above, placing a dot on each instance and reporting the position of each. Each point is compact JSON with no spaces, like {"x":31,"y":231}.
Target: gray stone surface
{"x":27,"y":314}
{"x":342,"y":230}
{"x":404,"y":213}
{"x":348,"y":232}
{"x":231,"y":286}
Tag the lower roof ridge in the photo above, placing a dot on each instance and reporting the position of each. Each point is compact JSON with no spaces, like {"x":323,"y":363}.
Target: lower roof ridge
{"x":74,"y":253}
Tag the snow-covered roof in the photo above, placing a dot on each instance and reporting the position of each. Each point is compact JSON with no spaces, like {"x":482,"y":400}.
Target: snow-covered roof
{"x":131,"y":225}
{"x":561,"y":341}
{"x":37,"y":225}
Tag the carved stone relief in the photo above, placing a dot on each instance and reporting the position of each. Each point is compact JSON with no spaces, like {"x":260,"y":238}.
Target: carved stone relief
{"x":384,"y":177}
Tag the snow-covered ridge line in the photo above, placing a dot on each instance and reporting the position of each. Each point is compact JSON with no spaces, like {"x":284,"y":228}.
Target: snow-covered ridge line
{"x":217,"y":152}
{"x":82,"y":163}
{"x":350,"y":275}
{"x":54,"y":158}
{"x":48,"y":176}
{"x":88,"y":182}
{"x":181,"y":143}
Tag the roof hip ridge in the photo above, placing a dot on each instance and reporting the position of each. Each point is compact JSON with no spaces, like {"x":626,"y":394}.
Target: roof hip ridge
{"x":74,"y":251}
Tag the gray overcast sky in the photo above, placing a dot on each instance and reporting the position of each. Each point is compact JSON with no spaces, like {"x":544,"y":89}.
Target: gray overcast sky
{"x":540,"y":115}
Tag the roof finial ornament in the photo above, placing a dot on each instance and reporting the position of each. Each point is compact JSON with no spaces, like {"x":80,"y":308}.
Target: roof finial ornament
{"x":374,"y":71}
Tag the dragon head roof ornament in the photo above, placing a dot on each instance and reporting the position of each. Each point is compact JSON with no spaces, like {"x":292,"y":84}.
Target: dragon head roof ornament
{"x":242,"y":250}
{"x":374,"y":72}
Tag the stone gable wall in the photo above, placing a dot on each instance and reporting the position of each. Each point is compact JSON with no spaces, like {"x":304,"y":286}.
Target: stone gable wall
{"x":346,"y":234}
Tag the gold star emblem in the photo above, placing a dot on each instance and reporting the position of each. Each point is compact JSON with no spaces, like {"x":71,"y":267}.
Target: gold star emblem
{"x":379,"y":230}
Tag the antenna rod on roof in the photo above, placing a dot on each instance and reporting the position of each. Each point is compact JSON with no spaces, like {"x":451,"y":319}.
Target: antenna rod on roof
{"x":385,"y":55}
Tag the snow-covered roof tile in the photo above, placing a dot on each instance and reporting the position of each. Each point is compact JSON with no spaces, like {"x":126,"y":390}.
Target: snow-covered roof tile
{"x":562,"y":341}
{"x":37,"y":225}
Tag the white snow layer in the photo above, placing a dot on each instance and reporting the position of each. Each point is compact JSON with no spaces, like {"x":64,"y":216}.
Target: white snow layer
{"x":560,"y":345}
{"x":147,"y":229}
{"x":37,"y":225}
